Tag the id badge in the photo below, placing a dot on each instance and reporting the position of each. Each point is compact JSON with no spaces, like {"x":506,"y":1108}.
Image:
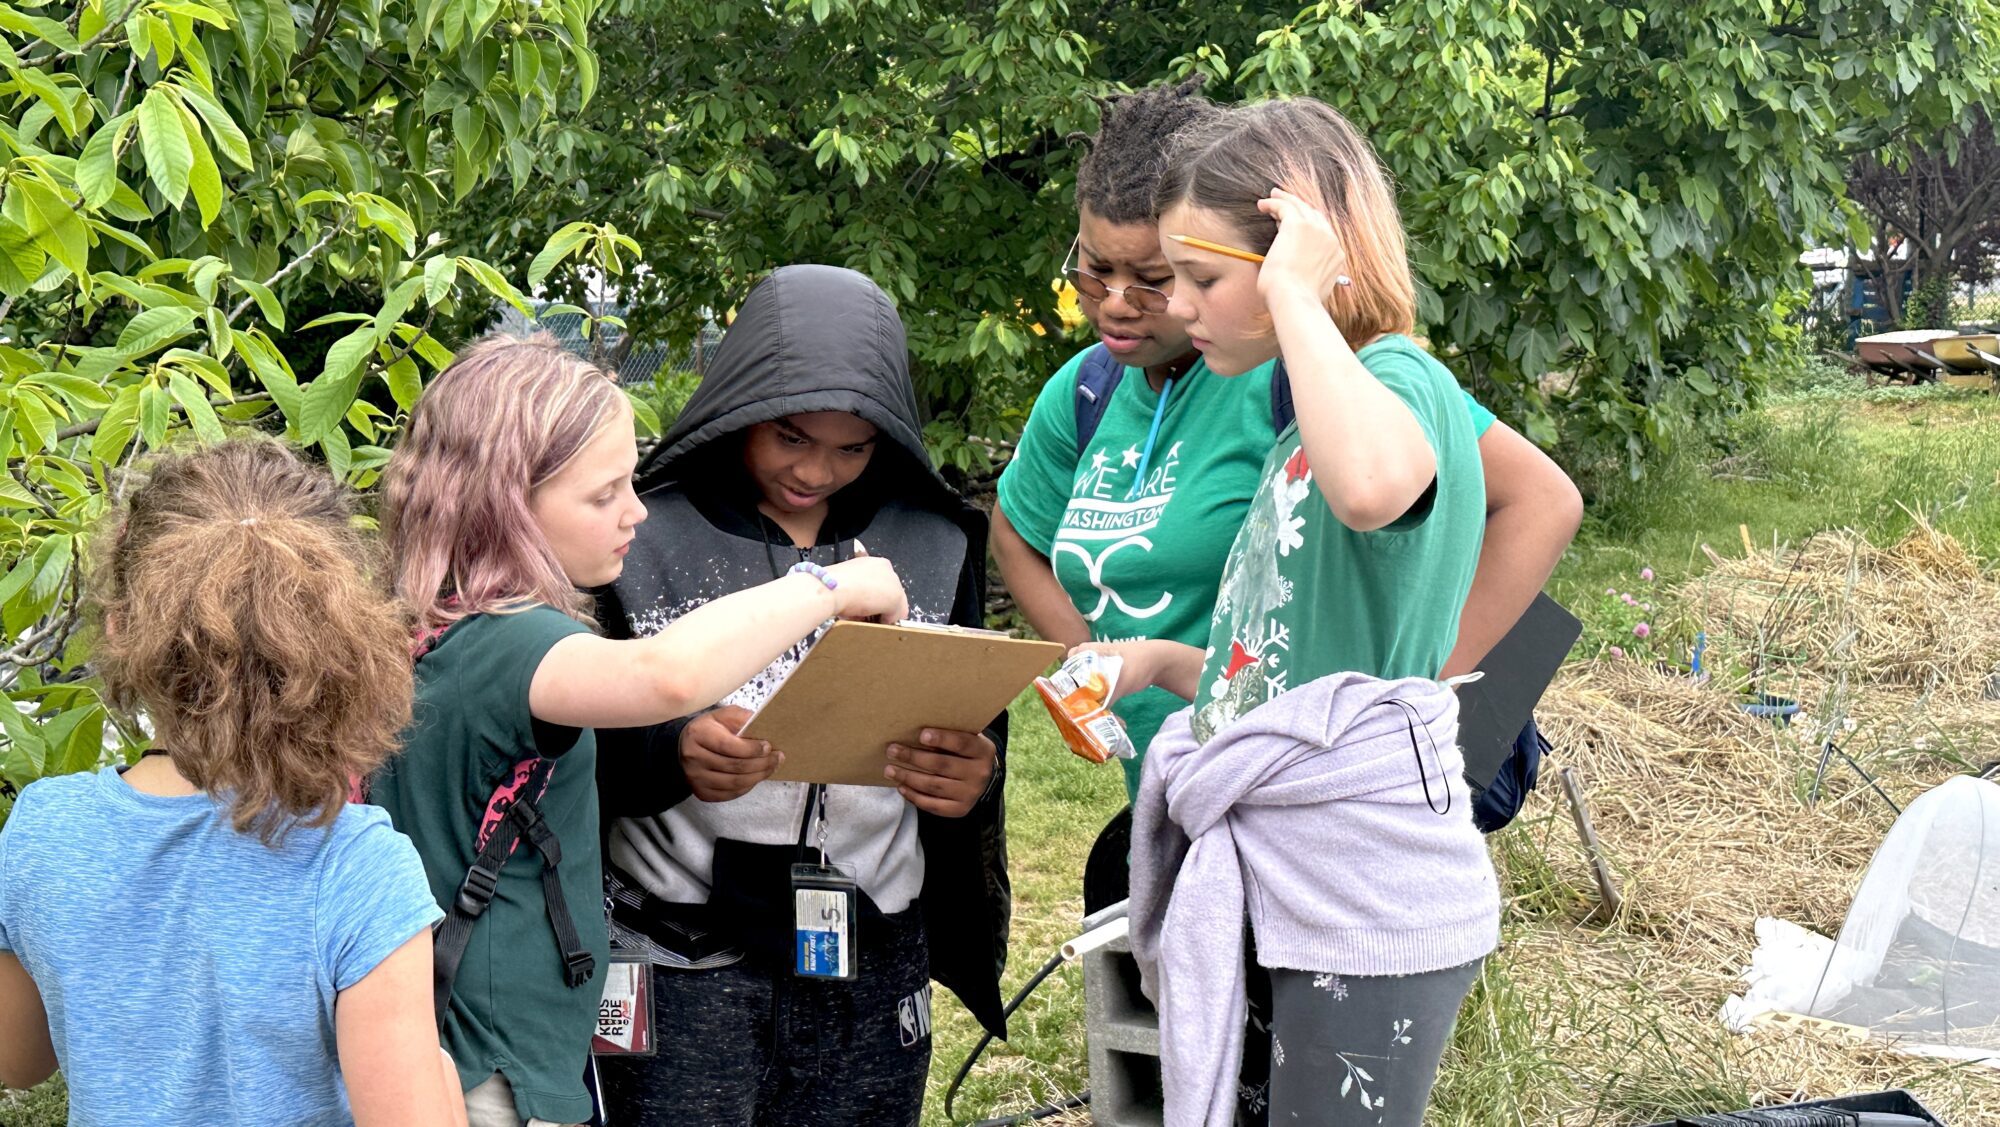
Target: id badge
{"x":823,"y":908}
{"x":625,"y":1012}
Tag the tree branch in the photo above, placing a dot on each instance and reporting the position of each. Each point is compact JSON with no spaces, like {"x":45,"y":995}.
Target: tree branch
{"x":323,"y":20}
{"x":271,"y":283}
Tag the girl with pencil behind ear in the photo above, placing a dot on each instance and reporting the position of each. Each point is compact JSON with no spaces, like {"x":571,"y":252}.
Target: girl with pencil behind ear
{"x":1318,"y":767}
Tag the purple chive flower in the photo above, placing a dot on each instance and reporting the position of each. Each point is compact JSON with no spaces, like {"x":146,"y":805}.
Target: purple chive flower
{"x":1630,"y":601}
{"x":1617,"y":652}
{"x":1646,"y":573}
{"x":1641,"y":630}
{"x":1611,"y":590}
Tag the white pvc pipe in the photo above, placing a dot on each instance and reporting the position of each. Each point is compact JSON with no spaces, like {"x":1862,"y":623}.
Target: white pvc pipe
{"x":1096,"y":937}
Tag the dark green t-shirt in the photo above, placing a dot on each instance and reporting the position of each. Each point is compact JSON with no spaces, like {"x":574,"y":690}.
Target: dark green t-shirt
{"x":510,"y":1009}
{"x":1141,"y":559}
{"x":1304,"y":596}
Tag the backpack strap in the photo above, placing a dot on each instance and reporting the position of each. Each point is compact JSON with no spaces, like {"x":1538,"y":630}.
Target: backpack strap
{"x":1282,"y":413}
{"x":511,"y":815}
{"x":1096,"y":378}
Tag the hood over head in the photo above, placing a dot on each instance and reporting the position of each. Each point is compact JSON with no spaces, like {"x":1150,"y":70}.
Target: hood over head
{"x":808,"y":338}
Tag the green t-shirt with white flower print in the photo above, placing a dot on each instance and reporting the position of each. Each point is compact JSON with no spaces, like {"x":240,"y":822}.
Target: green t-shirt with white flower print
{"x":1304,"y":596}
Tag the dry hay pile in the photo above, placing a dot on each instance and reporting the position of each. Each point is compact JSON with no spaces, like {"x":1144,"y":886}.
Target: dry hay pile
{"x":1917,"y":617}
{"x":1702,"y":808}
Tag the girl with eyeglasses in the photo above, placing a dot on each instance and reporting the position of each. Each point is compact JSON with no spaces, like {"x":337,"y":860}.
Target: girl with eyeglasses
{"x":1123,"y":537}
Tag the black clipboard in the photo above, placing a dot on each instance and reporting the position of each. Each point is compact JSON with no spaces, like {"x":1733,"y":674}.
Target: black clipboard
{"x":1493,"y":710}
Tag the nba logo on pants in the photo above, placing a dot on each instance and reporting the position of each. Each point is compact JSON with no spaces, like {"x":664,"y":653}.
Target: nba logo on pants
{"x":913,"y":1017}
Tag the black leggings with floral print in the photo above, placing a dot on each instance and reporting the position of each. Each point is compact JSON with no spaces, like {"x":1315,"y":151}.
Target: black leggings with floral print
{"x":1343,"y":1050}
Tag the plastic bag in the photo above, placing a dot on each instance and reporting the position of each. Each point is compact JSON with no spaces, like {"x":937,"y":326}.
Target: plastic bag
{"x":1078,"y":698}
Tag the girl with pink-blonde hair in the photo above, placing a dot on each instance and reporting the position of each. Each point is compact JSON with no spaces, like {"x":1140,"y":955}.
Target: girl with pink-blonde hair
{"x":509,"y":494}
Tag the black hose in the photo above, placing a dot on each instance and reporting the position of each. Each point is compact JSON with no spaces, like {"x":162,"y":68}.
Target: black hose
{"x":951,"y":1091}
{"x":1079,"y":1100}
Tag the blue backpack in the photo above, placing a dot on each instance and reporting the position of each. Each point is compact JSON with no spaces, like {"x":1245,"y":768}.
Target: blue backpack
{"x":1493,"y":806}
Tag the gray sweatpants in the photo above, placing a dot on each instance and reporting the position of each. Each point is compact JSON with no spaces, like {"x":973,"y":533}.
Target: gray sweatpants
{"x":751,"y":1045}
{"x":1346,"y":1050}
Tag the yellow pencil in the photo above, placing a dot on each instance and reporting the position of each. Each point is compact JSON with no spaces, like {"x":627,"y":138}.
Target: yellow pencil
{"x":1218,"y":248}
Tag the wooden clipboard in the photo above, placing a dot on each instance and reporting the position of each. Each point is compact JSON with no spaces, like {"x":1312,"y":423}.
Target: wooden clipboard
{"x":865,"y":685}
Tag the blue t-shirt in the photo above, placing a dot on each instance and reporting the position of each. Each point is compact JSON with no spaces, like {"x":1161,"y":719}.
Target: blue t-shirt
{"x":189,"y":971}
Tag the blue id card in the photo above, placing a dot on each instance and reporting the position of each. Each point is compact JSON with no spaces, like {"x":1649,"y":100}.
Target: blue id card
{"x":823,"y":906}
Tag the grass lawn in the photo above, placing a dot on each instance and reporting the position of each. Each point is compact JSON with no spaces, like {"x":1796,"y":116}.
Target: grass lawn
{"x":46,"y":1106}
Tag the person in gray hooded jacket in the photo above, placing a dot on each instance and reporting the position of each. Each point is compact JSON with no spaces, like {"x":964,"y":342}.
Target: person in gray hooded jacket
{"x":801,"y":445}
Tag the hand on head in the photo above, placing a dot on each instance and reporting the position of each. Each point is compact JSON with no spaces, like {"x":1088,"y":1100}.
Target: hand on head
{"x":1307,"y":256}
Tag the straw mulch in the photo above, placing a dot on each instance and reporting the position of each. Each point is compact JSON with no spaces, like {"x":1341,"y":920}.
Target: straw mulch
{"x":1703,"y":810}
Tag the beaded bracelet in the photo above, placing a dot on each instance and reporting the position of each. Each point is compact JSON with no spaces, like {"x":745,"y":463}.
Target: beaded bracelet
{"x":807,"y":567}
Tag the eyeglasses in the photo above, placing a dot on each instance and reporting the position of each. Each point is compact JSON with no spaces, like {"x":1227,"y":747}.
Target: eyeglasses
{"x":1145,"y":299}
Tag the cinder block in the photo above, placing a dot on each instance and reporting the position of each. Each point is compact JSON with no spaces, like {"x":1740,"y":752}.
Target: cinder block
{"x":1123,"y":1033}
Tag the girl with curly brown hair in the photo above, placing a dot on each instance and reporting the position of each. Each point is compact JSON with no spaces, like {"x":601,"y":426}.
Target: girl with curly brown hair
{"x":213,"y":935}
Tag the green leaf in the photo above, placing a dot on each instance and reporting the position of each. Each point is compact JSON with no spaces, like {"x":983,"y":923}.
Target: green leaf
{"x":327,"y":398}
{"x":267,"y":302}
{"x":253,"y":22}
{"x":153,"y":328}
{"x":115,"y":429}
{"x":55,"y":225}
{"x":75,"y":740}
{"x":25,"y":749}
{"x":268,"y":364}
{"x":85,"y":394}
{"x":644,"y":415}
{"x":440,"y":274}
{"x":495,"y":284}
{"x":202,"y":367}
{"x":561,"y":245}
{"x":334,"y":319}
{"x":128,"y":205}
{"x":398,"y":303}
{"x":21,"y":260}
{"x":405,"y":383}
{"x":57,"y":551}
{"x":51,"y":94}
{"x":284,"y":34}
{"x":119,"y":236}
{"x":164,"y":141}
{"x":47,"y":30}
{"x":19,"y":576}
{"x":228,"y":135}
{"x":586,"y":71}
{"x":204,"y":178}
{"x":35,"y":419}
{"x":155,"y":414}
{"x":194,"y":401}
{"x":374,"y":211}
{"x":339,"y":455}
{"x":14,"y":495}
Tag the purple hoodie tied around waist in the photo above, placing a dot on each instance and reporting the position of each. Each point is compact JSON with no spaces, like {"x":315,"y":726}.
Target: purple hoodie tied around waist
{"x":1310,"y":816}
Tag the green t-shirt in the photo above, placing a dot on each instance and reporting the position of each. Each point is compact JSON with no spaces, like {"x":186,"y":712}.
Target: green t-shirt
{"x":1304,"y":596}
{"x":511,"y":1011}
{"x":1146,"y":566}
{"x":1141,"y":564}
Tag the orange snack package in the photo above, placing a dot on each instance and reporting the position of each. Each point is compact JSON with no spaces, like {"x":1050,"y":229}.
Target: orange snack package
{"x":1077,"y":696}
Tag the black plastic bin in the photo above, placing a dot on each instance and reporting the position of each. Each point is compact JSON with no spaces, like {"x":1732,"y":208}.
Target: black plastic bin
{"x":1898,"y":1102}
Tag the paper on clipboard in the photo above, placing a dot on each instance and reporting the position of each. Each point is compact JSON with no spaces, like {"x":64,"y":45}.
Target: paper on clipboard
{"x":865,"y":685}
